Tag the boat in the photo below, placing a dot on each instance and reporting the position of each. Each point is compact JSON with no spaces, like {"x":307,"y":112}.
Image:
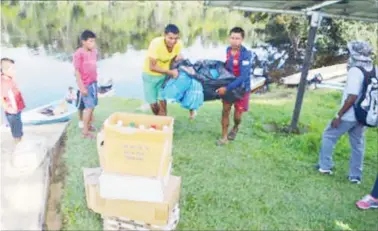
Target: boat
{"x":55,"y":112}
{"x":327,"y":73}
{"x":108,"y":93}
{"x":105,"y":88}
{"x":257,"y":83}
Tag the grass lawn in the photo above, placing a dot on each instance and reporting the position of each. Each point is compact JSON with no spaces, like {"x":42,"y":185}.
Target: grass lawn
{"x":261,"y":181}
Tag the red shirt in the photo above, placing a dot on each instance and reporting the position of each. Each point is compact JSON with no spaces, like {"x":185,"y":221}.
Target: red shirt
{"x":235,"y":62}
{"x":86,"y":63}
{"x":11,"y":94}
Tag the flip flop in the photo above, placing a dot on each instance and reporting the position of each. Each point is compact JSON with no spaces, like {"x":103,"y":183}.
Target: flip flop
{"x":221,"y":142}
{"x":92,"y":128}
{"x":89,"y":136}
{"x":232,"y":135}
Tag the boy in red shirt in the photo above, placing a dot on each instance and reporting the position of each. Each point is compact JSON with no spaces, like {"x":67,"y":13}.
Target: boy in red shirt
{"x":85,"y":63}
{"x":239,"y":63}
{"x":11,"y":98}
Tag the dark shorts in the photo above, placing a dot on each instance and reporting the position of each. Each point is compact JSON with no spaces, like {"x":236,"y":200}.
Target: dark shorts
{"x":90,"y":101}
{"x":15,"y":124}
{"x":242,"y":105}
{"x":79,"y":101}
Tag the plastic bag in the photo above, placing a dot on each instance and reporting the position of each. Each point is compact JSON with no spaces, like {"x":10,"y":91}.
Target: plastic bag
{"x":175,"y":89}
{"x":193,"y":98}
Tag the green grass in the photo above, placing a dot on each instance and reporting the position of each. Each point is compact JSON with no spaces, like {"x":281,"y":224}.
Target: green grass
{"x":261,"y":181}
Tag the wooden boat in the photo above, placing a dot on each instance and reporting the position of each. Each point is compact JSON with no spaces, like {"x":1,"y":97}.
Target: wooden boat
{"x":327,"y":73}
{"x":257,"y":83}
{"x":55,"y":112}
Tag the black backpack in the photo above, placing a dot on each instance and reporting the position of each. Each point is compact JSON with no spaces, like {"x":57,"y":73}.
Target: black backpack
{"x":366,"y":107}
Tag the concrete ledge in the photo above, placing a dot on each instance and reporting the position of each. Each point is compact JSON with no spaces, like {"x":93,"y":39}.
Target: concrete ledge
{"x":24,"y":198}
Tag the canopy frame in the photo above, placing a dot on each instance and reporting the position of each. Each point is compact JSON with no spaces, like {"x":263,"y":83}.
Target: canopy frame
{"x":316,"y":14}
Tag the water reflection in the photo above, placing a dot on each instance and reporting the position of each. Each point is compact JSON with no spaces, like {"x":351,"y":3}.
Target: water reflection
{"x":43,"y":78}
{"x":41,"y":37}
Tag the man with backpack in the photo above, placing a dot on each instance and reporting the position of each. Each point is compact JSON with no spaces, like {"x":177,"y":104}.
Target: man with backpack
{"x":359,"y":109}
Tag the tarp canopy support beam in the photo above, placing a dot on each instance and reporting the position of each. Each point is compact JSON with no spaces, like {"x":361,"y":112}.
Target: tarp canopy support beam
{"x":315,"y":22}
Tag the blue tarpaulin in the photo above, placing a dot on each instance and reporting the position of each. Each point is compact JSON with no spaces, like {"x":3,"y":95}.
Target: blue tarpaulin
{"x":184,"y":90}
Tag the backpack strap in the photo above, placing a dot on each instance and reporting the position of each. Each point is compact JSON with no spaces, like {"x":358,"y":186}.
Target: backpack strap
{"x":367,"y":74}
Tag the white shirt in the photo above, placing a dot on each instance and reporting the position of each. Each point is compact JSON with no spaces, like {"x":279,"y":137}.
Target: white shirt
{"x":353,"y":86}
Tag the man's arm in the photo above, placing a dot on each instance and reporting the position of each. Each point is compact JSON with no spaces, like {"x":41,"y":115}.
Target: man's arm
{"x":179,"y":57}
{"x":245,"y":72}
{"x":354,"y":83}
{"x":77,"y":61}
{"x":79,"y":81}
{"x":155,"y":68}
{"x":348,"y":103}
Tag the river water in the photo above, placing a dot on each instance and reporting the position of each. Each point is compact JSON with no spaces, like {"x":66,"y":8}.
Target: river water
{"x":42,"y":36}
{"x":43,"y":78}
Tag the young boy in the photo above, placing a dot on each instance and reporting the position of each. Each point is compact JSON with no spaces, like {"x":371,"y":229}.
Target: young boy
{"x":12,"y":100}
{"x":85,"y":63}
{"x":162,"y":51}
{"x":70,"y":97}
{"x":239,"y":63}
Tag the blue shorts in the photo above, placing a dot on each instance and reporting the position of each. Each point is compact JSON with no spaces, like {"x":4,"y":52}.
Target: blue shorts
{"x":90,"y":101}
{"x":15,"y":124}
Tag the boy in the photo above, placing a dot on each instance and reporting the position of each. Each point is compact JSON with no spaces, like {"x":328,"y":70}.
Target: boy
{"x":85,"y":63}
{"x":70,"y":97}
{"x":162,"y":51}
{"x":12,"y":100}
{"x":239,"y":63}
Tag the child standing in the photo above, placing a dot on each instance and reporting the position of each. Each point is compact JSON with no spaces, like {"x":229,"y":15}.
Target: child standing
{"x":71,"y":96}
{"x":85,"y":63}
{"x":12,"y":100}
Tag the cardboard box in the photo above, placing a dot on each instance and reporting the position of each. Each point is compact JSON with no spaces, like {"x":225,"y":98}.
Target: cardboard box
{"x":128,"y":187}
{"x":123,"y":223}
{"x":137,"y":151}
{"x":149,"y":212}
{"x":137,"y":188}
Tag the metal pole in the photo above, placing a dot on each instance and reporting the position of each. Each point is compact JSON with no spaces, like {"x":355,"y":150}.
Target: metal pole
{"x":315,"y":20}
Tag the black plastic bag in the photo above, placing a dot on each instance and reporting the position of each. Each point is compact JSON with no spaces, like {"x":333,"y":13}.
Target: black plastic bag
{"x":203,"y":70}
{"x":210,"y":85}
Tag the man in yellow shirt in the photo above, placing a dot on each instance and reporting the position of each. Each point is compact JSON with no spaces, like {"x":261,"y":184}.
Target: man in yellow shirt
{"x":161,"y":52}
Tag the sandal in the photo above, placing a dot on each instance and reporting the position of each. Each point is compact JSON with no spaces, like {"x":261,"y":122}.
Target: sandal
{"x":232,"y":135}
{"x":89,"y":136}
{"x":92,"y":128}
{"x":222,"y":142}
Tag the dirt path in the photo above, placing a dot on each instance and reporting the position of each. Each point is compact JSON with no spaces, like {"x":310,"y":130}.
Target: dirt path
{"x":53,"y":214}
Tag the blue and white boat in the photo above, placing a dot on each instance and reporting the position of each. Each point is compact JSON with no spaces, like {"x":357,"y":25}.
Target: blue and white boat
{"x":55,"y":112}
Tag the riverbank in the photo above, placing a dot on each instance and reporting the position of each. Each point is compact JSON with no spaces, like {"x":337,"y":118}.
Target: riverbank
{"x":261,"y":181}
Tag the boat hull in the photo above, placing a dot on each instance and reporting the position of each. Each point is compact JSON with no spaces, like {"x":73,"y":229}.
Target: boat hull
{"x":34,"y":117}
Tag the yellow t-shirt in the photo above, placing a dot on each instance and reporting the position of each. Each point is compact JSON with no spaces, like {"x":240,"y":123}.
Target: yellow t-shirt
{"x":158,"y":50}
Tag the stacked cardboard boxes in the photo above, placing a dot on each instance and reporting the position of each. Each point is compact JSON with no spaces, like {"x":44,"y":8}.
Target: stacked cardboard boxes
{"x":133,"y":189}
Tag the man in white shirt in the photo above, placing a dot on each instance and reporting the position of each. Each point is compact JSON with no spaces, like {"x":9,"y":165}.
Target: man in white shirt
{"x":345,"y":120}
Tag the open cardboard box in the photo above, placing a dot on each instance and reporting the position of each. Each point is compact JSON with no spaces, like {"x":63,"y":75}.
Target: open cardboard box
{"x":164,"y":166}
{"x":149,"y":212}
{"x":135,"y":151}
